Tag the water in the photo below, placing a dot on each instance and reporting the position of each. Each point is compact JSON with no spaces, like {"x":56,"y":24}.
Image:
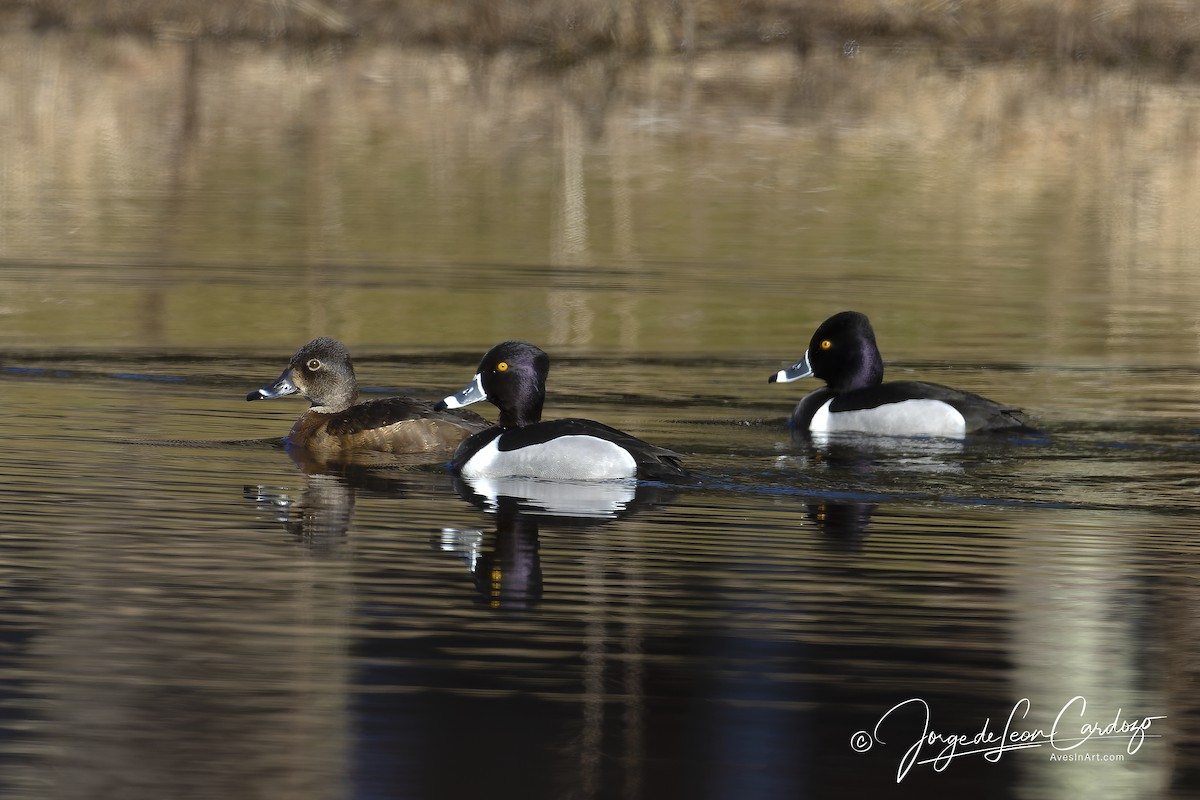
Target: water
{"x":186,"y":613}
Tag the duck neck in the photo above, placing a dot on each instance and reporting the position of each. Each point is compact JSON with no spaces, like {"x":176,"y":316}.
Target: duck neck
{"x":337,"y":402}
{"x":523,"y":413}
{"x":865,"y":369}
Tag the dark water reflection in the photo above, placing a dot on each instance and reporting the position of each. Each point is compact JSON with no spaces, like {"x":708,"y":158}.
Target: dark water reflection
{"x":192,"y":617}
{"x":186,"y":611}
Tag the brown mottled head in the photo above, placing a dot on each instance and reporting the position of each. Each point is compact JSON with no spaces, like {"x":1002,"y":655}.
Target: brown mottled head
{"x":320,"y":371}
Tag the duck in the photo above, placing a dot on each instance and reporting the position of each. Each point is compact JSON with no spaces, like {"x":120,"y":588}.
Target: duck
{"x":512,"y":376}
{"x":336,"y":425}
{"x":844,"y":354}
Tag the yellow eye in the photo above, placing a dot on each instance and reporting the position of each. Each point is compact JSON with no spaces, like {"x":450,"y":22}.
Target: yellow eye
{"x":826,"y":344}
{"x":313,"y":364}
{"x":502,"y":366}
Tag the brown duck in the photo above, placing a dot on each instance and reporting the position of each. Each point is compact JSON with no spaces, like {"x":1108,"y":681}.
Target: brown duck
{"x":336,"y":427}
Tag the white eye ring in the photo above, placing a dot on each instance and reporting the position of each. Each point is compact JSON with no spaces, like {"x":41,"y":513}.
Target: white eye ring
{"x":314,"y":364}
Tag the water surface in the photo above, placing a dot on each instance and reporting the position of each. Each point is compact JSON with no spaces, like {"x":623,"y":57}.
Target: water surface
{"x":186,"y":613}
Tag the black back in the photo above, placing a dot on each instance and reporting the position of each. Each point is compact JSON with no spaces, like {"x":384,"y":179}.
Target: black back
{"x":979,"y":412}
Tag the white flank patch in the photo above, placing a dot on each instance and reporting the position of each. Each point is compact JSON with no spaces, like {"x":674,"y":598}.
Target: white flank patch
{"x":906,"y":418}
{"x":567,"y":458}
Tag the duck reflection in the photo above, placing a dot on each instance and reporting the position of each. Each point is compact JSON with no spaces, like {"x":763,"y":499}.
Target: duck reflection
{"x":845,"y":524}
{"x":862,"y":454}
{"x":505,"y":562}
{"x":572,"y":503}
{"x":319,"y":515}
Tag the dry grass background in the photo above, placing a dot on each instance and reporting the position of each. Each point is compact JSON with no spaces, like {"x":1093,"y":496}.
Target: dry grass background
{"x":1060,"y":196}
{"x":1164,"y":33}
{"x":863,"y":132}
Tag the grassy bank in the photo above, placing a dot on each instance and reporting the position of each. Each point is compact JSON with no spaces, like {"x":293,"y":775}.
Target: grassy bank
{"x":1160,"y":33}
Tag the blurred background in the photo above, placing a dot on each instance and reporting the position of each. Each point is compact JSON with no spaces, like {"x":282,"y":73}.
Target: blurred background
{"x":695,"y":175}
{"x":668,"y":197}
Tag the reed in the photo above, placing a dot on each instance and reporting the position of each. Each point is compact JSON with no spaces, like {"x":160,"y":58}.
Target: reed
{"x":1163,"y":33}
{"x":278,"y":177}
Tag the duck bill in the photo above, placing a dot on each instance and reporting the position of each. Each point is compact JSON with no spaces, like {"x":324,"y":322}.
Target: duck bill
{"x":801,"y":369}
{"x":472,"y":393}
{"x":280,"y":388}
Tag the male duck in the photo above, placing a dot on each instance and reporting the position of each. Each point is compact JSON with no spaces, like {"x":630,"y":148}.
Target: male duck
{"x":512,"y":375}
{"x":843,"y":353}
{"x":335,"y":426}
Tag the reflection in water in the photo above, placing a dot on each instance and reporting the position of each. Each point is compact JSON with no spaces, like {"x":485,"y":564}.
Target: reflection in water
{"x":806,"y":167}
{"x":844,"y":523}
{"x":857,"y":471}
{"x":714,"y":647}
{"x":161,"y":639}
{"x":858,"y":452}
{"x":1177,"y":616}
{"x":319,"y":517}
{"x":1082,"y":627}
{"x":505,"y":564}
{"x":322,"y":513}
{"x":169,"y":662}
{"x":579,"y":499}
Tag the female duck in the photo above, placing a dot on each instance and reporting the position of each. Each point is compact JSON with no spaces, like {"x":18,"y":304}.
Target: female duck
{"x":336,"y":426}
{"x":843,"y":353}
{"x":512,"y":375}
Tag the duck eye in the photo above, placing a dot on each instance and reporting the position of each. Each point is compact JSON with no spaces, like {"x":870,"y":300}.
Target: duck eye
{"x":502,"y":366}
{"x":313,"y":364}
{"x":826,"y":344}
